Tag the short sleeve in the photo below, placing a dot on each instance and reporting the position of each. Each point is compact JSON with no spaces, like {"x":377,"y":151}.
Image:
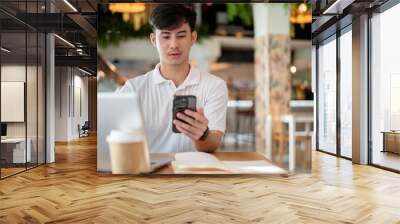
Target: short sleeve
{"x":215,"y":107}
{"x":126,"y":88}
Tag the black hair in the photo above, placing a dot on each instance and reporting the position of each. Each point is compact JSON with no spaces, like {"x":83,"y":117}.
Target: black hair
{"x":171,"y":16}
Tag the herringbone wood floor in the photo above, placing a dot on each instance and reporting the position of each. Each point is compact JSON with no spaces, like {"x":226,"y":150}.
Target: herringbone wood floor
{"x":70,"y":191}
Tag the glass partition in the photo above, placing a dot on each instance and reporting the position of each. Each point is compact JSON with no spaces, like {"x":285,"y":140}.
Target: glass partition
{"x":41,"y":96}
{"x":13,"y":105}
{"x":327,"y":96}
{"x":31,"y":99}
{"x":22,"y":89}
{"x":385,"y":89}
{"x":346,"y":94}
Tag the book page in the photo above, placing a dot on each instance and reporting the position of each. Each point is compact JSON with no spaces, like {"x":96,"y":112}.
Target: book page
{"x":206,"y":163}
{"x":253,"y":166}
{"x":199,"y":161}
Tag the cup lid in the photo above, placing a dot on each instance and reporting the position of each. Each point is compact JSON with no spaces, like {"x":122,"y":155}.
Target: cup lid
{"x":125,"y":136}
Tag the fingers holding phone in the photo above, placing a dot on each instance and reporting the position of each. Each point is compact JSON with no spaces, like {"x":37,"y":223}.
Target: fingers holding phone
{"x":180,"y":104}
{"x":191,"y":123}
{"x":187,"y":119}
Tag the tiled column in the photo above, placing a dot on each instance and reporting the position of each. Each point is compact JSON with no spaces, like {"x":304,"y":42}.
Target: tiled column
{"x":272,"y":58}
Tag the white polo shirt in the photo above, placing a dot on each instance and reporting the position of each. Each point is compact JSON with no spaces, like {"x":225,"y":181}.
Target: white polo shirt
{"x":156,"y":95}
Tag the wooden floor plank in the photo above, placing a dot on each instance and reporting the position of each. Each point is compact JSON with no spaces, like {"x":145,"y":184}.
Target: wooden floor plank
{"x":70,"y":191}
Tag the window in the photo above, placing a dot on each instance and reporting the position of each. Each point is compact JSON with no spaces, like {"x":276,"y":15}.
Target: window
{"x":346,"y":94}
{"x":385,"y":88}
{"x":327,"y":96}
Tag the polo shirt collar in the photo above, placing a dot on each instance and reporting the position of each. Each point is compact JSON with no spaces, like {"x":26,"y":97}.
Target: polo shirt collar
{"x":193,"y":77}
{"x":157,"y":77}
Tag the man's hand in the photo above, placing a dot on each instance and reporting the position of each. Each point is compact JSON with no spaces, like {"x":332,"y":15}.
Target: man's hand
{"x":196,"y":125}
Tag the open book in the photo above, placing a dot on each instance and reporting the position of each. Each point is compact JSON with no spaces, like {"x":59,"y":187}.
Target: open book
{"x":205,"y":163}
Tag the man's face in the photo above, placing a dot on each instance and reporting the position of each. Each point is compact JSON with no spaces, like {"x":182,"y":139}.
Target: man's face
{"x":173,"y":46}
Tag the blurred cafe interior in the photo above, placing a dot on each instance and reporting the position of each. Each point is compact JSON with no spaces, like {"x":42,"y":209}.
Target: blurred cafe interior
{"x":265,"y":59}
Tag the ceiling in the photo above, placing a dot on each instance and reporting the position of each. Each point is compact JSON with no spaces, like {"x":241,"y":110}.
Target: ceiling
{"x":23,"y":23}
{"x":72,"y":20}
{"x":330,"y":15}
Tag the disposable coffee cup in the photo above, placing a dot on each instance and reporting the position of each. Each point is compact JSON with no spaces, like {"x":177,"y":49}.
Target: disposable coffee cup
{"x":128,"y":152}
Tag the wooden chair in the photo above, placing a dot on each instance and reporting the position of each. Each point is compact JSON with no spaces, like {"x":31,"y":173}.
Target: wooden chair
{"x":279,"y":139}
{"x":280,"y":143}
{"x":245,"y":117}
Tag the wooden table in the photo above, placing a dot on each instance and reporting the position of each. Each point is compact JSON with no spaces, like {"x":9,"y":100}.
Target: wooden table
{"x":222,"y":156}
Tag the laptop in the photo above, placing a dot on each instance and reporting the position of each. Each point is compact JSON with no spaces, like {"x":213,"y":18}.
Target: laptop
{"x":118,"y":111}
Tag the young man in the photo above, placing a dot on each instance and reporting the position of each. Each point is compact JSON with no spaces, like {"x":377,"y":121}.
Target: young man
{"x":173,"y":35}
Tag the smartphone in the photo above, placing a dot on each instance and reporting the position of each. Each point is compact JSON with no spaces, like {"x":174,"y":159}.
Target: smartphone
{"x":180,"y":104}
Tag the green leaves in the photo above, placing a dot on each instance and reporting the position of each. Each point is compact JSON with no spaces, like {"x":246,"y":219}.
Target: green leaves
{"x":241,"y":10}
{"x":112,"y":30}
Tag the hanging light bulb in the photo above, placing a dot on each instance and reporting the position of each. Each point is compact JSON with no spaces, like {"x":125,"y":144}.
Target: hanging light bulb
{"x":293,"y":69}
{"x":300,"y":14}
{"x":302,"y":8}
{"x":127,"y":7}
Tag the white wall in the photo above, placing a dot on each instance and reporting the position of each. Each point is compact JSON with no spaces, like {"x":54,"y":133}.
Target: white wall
{"x":17,"y":73}
{"x":61,"y":103}
{"x":130,"y":50}
{"x":69,"y":81}
{"x":268,"y":19}
{"x":12,"y":101}
{"x":12,"y":73}
{"x":80,"y":84}
{"x":34,"y":124}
